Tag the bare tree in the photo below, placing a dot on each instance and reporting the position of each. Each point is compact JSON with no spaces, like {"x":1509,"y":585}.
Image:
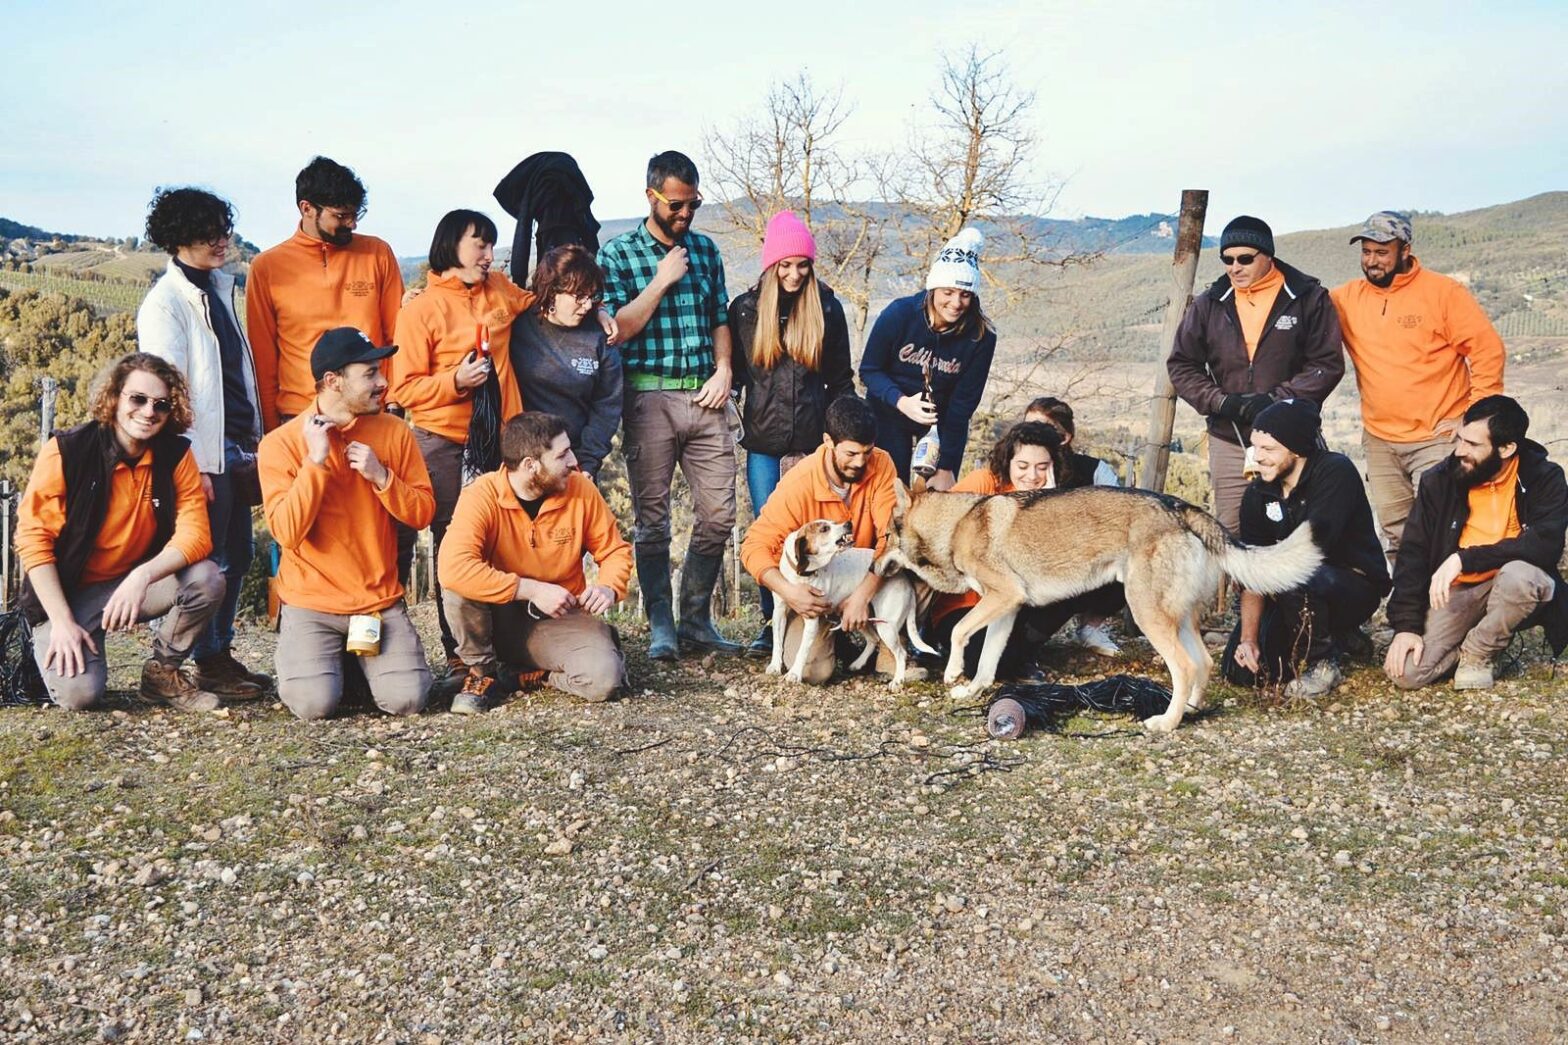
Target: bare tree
{"x":788,"y":159}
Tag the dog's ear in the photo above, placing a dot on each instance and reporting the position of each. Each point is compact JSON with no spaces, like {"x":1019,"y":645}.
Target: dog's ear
{"x":801,"y":551}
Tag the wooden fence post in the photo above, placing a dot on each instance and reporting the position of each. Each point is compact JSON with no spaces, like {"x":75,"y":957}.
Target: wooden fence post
{"x":1184,"y":271}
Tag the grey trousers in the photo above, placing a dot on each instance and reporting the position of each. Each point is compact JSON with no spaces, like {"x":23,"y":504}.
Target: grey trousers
{"x":1394,"y":471}
{"x":580,"y":651}
{"x":666,"y":428}
{"x":186,"y":601}
{"x":1226,"y":480}
{"x":310,"y":663}
{"x":1478,"y":621}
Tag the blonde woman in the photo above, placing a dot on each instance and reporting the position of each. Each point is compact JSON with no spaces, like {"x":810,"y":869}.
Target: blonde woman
{"x":791,"y":360}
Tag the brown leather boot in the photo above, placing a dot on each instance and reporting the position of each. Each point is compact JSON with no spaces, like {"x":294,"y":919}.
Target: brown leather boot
{"x":220,"y":673}
{"x":169,"y":684}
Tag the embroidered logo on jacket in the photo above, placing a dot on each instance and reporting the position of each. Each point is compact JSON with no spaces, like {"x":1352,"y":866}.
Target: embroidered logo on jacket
{"x":586,"y":365}
{"x":1408,"y":322}
{"x":1275,"y":511}
{"x":360,"y":288}
{"x":1286,"y":322}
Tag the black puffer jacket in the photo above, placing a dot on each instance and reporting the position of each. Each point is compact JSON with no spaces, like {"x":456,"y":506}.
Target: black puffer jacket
{"x":786,"y":407}
{"x":1299,"y":356}
{"x":1438,"y":517}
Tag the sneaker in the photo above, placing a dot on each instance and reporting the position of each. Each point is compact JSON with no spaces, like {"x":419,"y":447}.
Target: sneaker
{"x":478,"y":691}
{"x":1095,"y":637}
{"x":169,"y":684}
{"x":1473,"y":674}
{"x":220,"y":673}
{"x":1318,"y":680}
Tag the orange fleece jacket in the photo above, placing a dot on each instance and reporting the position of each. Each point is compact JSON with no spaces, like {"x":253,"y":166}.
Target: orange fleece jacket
{"x":299,"y":290}
{"x":491,"y":543}
{"x":435,"y":332}
{"x":803,"y":494}
{"x":128,"y":524}
{"x":334,"y":527}
{"x":1253,"y":306}
{"x":1494,"y":516}
{"x":981,"y":480}
{"x":1410,"y":344}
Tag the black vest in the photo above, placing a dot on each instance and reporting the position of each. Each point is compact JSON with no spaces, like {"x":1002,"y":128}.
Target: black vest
{"x":88,"y":456}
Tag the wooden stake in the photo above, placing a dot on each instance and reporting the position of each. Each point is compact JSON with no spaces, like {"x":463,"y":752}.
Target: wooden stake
{"x":1184,"y":271}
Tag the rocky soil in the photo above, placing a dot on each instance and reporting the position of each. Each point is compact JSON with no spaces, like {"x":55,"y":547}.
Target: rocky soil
{"x":723,"y":857}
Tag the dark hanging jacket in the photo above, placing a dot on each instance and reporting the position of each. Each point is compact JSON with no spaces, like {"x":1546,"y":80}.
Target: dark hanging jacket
{"x":1330,"y":497}
{"x":785,"y":410}
{"x":547,"y":189}
{"x":1438,"y":518}
{"x":1299,"y":355}
{"x":88,"y":456}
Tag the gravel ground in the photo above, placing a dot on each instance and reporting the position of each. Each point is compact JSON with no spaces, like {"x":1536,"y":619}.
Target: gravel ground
{"x":723,"y":857}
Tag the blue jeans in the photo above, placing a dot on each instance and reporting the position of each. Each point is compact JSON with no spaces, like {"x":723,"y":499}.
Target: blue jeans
{"x":233,"y":547}
{"x":762,"y":478}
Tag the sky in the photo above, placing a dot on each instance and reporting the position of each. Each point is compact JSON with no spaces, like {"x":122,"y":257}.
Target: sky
{"x":1308,"y":115}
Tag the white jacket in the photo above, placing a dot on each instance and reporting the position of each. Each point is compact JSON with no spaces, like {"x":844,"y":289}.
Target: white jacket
{"x":174,"y":324}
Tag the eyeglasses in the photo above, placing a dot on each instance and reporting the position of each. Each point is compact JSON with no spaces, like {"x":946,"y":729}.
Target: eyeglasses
{"x":1237,"y":259}
{"x":343,"y":215}
{"x":678,"y":205}
{"x":161,"y":407}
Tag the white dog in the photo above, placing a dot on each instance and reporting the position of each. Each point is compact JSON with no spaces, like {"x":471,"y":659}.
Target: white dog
{"x":820,"y":554}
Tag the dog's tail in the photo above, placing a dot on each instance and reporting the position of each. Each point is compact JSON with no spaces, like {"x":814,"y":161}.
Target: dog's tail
{"x":1264,"y":569}
{"x":914,"y":636}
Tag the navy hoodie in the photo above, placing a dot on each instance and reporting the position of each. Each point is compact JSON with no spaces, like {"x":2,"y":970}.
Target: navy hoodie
{"x":901,"y":342}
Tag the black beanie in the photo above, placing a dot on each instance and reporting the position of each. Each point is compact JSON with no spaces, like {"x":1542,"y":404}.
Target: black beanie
{"x":1247,"y":231}
{"x":1294,"y":422}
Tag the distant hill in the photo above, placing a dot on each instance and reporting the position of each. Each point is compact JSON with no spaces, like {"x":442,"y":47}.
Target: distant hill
{"x":10,"y":230}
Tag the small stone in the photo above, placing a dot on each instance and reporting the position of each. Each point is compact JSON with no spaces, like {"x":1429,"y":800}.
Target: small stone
{"x":1300,"y":834}
{"x":193,"y":997}
{"x":782,"y":978}
{"x":920,"y":740}
{"x":359,"y":834}
{"x":227,"y":876}
{"x":954,"y":904}
{"x":922,"y":810}
{"x":598,"y":952}
{"x":559,"y":847}
{"x":775,"y":912}
{"x":1025,"y":925}
{"x":1342,"y":858}
{"x":575,"y":782}
{"x":1384,"y":1023}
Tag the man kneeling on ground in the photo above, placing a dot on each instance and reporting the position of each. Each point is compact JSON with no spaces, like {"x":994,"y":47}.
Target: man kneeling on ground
{"x":1478,"y":558}
{"x":335,"y":481}
{"x":1301,"y":483}
{"x":112,"y":530}
{"x":846,"y":480}
{"x":512,"y":570}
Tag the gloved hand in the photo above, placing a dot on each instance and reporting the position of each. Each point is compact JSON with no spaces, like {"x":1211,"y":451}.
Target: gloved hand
{"x":1230,"y":407}
{"x":1253,"y":405}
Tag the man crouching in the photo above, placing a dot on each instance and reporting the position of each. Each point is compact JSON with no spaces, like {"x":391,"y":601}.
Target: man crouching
{"x":511,"y":568}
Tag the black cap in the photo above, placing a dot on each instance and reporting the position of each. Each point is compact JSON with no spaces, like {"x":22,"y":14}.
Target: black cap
{"x":340,"y":346}
{"x":1295,"y":423}
{"x":1247,"y":231}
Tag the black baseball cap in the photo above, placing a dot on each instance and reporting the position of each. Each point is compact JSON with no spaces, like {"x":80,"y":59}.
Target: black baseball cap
{"x":340,"y":346}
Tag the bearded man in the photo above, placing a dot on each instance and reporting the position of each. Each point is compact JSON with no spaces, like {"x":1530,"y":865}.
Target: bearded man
{"x":1479,"y":555}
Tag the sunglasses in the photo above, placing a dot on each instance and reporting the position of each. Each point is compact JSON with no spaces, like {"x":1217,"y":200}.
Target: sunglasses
{"x":161,"y":407}
{"x":678,"y":205}
{"x":1237,"y":259}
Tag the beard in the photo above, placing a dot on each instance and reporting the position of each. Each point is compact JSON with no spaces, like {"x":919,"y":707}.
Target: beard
{"x":341,"y":238}
{"x":1384,"y":281}
{"x":1483,"y":472}
{"x":669,"y":227}
{"x":550,"y":485}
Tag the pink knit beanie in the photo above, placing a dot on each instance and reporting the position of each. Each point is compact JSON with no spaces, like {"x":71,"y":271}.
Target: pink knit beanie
{"x":787,"y":237}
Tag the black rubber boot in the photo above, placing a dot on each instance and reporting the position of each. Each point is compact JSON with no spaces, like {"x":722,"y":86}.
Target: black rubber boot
{"x":696,"y":630}
{"x":762,"y":645}
{"x":653,"y":576}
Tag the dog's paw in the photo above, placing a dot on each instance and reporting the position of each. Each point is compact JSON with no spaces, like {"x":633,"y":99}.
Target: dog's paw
{"x":1158,"y":724}
{"x":952,"y":675}
{"x":795,"y":676}
{"x":775,"y":669}
{"x":960,"y":692}
{"x":895,"y":685}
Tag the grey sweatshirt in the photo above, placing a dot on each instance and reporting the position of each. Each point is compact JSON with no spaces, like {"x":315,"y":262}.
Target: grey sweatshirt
{"x":572,"y":373}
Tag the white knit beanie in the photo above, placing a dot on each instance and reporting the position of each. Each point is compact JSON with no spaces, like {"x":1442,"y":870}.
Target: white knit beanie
{"x":959,"y":263}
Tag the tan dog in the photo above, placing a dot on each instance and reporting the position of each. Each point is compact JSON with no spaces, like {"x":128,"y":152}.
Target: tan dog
{"x":1033,"y":549}
{"x":821,"y":554}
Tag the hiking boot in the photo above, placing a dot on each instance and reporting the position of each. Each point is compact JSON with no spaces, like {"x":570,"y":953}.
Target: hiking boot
{"x":762,"y":646}
{"x":220,"y":673}
{"x":1473,"y":673}
{"x":1094,"y":637}
{"x":1356,"y":645}
{"x":1318,"y":680}
{"x":696,"y":630}
{"x":478,"y":691}
{"x":169,"y":684}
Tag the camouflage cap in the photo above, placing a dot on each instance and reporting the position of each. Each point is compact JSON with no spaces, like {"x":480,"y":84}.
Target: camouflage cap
{"x":1384,"y":227}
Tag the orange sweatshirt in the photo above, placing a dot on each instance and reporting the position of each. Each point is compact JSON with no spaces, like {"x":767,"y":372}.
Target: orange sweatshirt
{"x":128,"y":524}
{"x":492,"y":543}
{"x":334,"y":527}
{"x":981,"y":480}
{"x":299,"y":290}
{"x":435,"y":332}
{"x":1410,"y":344}
{"x":803,"y":494}
{"x":1494,"y":516}
{"x":1253,"y":305}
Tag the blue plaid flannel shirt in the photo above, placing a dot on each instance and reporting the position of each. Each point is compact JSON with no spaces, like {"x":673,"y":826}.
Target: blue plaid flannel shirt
{"x":678,"y":339}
